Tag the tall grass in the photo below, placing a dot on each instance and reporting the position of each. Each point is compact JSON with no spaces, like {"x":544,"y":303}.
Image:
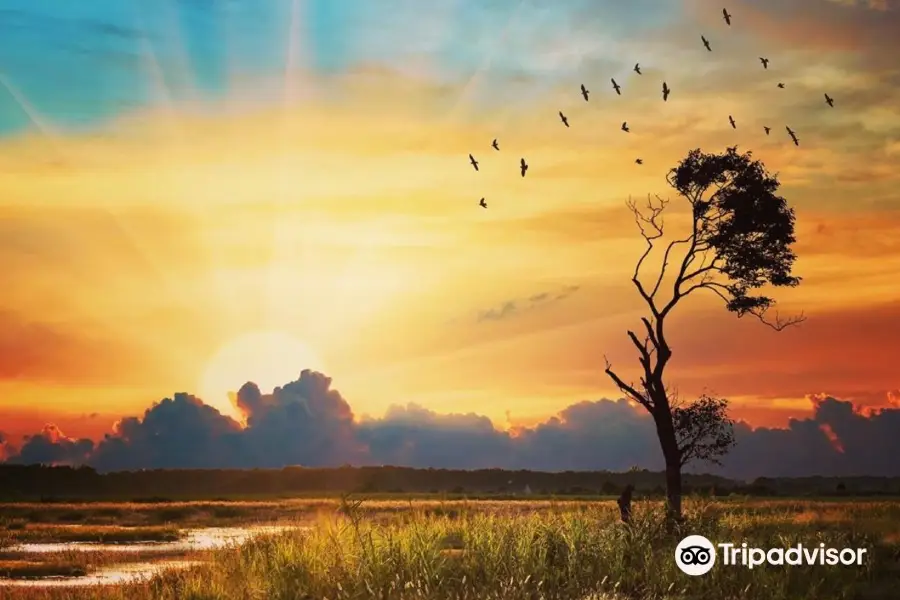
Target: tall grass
{"x":560,"y":552}
{"x":556,"y":554}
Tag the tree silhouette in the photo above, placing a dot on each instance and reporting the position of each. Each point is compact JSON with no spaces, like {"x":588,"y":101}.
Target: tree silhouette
{"x":704,"y":430}
{"x":740,"y":241}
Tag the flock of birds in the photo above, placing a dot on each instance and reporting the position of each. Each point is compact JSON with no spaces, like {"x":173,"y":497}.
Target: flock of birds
{"x":666,"y":91}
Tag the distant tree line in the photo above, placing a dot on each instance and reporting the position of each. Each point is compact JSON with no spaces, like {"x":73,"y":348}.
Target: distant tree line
{"x":49,"y":483}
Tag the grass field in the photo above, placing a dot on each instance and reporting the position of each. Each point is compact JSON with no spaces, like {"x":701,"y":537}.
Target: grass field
{"x":454,"y":549}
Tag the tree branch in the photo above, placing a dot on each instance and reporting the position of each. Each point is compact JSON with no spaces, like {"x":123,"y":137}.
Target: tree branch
{"x":651,"y":228}
{"x":778,"y":324}
{"x":628,"y":389}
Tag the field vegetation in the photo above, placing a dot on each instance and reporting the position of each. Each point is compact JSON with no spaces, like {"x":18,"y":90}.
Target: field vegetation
{"x":457,"y":549}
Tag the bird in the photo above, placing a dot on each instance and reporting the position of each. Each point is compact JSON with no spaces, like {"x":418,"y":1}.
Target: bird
{"x":768,"y":129}
{"x":665,"y":91}
{"x":637,"y":68}
{"x":829,"y":100}
{"x":764,"y":61}
{"x":731,"y":120}
{"x":639,"y":161}
{"x":726,"y":16}
{"x":563,"y":118}
{"x":793,"y":136}
{"x":473,"y":161}
{"x":625,"y":126}
{"x":706,"y":43}
{"x":494,"y":145}
{"x":482,"y":203}
{"x":616,"y":87}
{"x":781,"y":85}
{"x":523,"y":166}
{"x":585,"y":92}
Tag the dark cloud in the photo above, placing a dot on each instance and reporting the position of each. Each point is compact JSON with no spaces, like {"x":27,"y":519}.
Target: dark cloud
{"x":306,"y":422}
{"x":177,"y":432}
{"x":7,"y":450}
{"x":413,"y":436}
{"x":51,"y":446}
{"x":511,"y":308}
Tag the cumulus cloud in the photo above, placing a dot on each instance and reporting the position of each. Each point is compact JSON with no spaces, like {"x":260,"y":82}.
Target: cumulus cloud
{"x":52,"y":446}
{"x":7,"y":449}
{"x":307,"y":422}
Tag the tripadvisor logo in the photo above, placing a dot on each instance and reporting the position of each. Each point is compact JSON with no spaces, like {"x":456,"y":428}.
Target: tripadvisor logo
{"x":696,"y":555}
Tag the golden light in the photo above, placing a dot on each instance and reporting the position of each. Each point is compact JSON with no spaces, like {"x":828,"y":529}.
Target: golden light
{"x":267,"y":358}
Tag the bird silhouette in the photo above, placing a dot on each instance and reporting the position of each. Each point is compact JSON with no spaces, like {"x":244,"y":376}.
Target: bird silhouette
{"x":563,"y":118}
{"x":585,"y":92}
{"x":639,"y":161}
{"x":482,"y":203}
{"x":706,"y":43}
{"x":829,"y":100}
{"x":494,"y":145}
{"x":726,"y":16}
{"x":731,"y":120}
{"x":793,"y":136}
{"x":616,"y":87}
{"x":781,"y":85}
{"x":764,"y":61}
{"x":768,"y":129}
{"x":523,"y":166}
{"x":473,"y":161}
{"x":637,"y":68}
{"x":665,"y":91}
{"x":625,"y":126}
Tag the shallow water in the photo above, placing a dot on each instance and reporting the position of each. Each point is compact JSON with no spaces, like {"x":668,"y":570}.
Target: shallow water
{"x":198,"y":539}
{"x":208,"y":538}
{"x":114,"y":575}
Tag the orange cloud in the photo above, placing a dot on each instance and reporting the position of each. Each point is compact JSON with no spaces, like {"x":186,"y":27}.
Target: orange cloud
{"x":833,"y":25}
{"x":55,"y":353}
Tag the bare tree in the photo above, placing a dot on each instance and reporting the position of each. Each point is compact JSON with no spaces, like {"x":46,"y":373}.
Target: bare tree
{"x":740,"y":239}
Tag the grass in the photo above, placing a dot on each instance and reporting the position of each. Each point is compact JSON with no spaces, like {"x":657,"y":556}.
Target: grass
{"x":532,"y":550}
{"x":110,"y":534}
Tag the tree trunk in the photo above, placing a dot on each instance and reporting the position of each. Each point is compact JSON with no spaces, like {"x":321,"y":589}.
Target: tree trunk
{"x":673,"y":490}
{"x":665,"y":429}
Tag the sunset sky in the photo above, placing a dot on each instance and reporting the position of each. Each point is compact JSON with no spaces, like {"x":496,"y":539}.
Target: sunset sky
{"x":194,"y":195}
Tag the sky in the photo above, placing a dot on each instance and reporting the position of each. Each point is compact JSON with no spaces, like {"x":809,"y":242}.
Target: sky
{"x":197,"y":195}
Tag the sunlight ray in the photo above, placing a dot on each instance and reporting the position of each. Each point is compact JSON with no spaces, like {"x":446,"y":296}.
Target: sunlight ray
{"x":30,"y":111}
{"x":180,"y":141}
{"x":50,"y":134}
{"x":278,"y":240}
{"x":158,"y":83}
{"x":169,"y":11}
{"x":483,"y":69}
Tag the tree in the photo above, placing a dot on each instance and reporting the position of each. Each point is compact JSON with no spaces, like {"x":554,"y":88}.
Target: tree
{"x":704,"y":430}
{"x":740,"y":239}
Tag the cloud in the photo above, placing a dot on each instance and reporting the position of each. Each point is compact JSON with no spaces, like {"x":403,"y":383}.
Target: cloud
{"x":511,"y":308}
{"x":52,"y":446}
{"x":7,"y":449}
{"x":307,"y":422}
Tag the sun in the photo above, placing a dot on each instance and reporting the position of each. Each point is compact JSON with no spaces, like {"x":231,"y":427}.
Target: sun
{"x":267,"y":358}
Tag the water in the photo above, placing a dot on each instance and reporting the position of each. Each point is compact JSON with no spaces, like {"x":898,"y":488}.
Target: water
{"x":209,"y":538}
{"x":114,"y":575}
{"x":198,"y":539}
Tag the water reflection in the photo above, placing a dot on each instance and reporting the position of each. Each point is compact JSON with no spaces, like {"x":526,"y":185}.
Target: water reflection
{"x":210,"y":538}
{"x":198,"y":539}
{"x":115,"y":575}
